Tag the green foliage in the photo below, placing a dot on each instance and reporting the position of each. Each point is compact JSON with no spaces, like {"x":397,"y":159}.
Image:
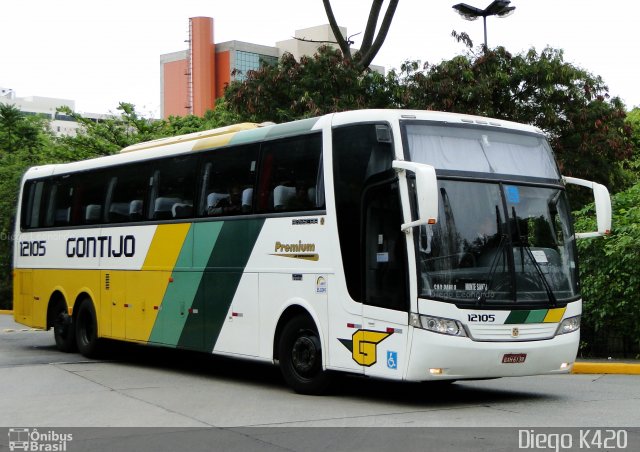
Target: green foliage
{"x":26,"y":141}
{"x":23,"y":140}
{"x":220,"y":116}
{"x":633,"y":122}
{"x":609,"y":269}
{"x":585,"y":126}
{"x":104,"y":137}
{"x":316,"y":85}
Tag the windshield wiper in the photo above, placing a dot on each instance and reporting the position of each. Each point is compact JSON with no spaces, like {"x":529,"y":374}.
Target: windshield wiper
{"x":494,"y":263}
{"x":523,"y":243}
{"x":492,"y":270}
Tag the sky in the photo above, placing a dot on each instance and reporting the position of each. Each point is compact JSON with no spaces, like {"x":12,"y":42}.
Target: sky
{"x":99,"y":53}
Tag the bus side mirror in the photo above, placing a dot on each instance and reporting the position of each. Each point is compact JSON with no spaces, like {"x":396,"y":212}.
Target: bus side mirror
{"x":602,"y":203}
{"x":426,"y":192}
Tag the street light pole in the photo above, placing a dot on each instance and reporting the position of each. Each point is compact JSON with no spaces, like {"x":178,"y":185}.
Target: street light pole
{"x":484,"y":21}
{"x":498,"y":8}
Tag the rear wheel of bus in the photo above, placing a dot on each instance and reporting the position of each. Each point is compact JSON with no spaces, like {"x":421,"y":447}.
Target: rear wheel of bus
{"x":300,"y":356}
{"x":87,"y":329}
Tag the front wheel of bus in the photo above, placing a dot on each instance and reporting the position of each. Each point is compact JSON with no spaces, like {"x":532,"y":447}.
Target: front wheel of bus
{"x":87,"y":330}
{"x":300,"y":355}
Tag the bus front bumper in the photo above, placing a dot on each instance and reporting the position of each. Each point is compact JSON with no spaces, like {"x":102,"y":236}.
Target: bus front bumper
{"x":441,"y":357}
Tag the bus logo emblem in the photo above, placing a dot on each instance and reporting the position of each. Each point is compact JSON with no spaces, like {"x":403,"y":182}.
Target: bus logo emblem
{"x":515,"y":332}
{"x":364,"y":346}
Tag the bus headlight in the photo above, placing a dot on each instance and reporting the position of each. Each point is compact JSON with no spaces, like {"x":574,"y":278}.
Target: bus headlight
{"x":569,"y":325}
{"x":438,"y":325}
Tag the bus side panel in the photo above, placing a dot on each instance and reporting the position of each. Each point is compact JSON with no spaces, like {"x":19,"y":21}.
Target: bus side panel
{"x":112,"y":299}
{"x":225,"y":269}
{"x":240,"y":331}
{"x":145,"y":290}
{"x":71,"y":283}
{"x":292,"y":258}
{"x":23,"y":296}
{"x":196,"y":303}
{"x":162,"y":288}
{"x":281,"y":290}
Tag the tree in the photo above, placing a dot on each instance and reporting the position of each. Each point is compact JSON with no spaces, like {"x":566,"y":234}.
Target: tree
{"x":23,"y":140}
{"x":109,"y":135}
{"x":584,"y":124}
{"x":290,"y":90}
{"x":610,"y":277}
{"x":370,"y":46}
{"x":633,"y":121}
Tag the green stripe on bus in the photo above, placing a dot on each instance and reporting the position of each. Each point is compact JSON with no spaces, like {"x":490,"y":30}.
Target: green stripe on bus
{"x":517,"y":317}
{"x":178,"y":298}
{"x":249,"y":136}
{"x":271,"y":132}
{"x":537,"y":316}
{"x":291,"y":128}
{"x":219,"y":283}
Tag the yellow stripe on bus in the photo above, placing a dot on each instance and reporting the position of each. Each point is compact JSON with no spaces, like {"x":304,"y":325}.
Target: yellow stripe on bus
{"x":554,"y":315}
{"x":165,"y":246}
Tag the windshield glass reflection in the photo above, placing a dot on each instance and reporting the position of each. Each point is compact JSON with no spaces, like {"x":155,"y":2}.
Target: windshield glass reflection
{"x":497,"y":243}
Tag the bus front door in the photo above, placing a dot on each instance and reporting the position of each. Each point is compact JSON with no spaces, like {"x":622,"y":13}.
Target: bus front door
{"x":385,"y":309}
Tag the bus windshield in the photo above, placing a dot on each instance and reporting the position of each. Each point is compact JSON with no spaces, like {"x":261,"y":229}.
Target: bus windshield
{"x":484,"y":150}
{"x":497,"y":241}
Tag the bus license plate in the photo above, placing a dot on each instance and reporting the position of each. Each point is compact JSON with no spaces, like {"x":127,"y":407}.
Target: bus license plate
{"x":514,"y":358}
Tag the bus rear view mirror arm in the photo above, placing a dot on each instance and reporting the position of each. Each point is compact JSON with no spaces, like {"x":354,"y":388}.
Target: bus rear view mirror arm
{"x":602,"y":203}
{"x":426,"y":192}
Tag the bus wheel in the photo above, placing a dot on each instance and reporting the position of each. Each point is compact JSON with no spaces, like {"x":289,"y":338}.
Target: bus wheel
{"x":63,"y":329}
{"x":300,"y":356}
{"x":87,"y":329}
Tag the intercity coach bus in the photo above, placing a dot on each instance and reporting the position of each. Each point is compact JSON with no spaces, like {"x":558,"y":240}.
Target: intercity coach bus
{"x":406,"y":245}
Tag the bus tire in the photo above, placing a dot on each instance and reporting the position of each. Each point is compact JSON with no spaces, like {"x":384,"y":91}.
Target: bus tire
{"x":64,"y":331}
{"x":300,"y":356}
{"x":87,"y":329}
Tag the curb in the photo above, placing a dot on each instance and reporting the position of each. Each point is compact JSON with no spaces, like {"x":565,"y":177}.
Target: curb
{"x":606,"y":368}
{"x":6,"y":312}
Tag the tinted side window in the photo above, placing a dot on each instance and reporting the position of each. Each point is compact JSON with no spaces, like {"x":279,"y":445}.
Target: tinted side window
{"x":32,"y":205}
{"x":173,"y":188}
{"x":59,"y":202}
{"x":291,"y":175}
{"x":128,"y":193}
{"x":89,"y":198}
{"x":228,"y":181}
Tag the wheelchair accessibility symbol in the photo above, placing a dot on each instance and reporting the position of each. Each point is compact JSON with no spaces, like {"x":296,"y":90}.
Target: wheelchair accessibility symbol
{"x":392,"y":360}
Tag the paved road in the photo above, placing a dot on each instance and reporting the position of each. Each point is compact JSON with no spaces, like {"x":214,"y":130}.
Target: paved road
{"x":147,"y":386}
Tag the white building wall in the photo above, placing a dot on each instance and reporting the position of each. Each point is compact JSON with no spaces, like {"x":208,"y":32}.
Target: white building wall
{"x":47,"y":107}
{"x":299,"y":48}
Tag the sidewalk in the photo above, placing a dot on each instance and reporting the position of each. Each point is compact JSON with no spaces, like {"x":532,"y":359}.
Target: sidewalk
{"x":581,"y":366}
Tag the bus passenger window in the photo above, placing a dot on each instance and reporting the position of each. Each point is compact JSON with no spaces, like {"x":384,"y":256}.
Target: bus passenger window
{"x":32,"y":201}
{"x":228,"y":178}
{"x":174,"y":188}
{"x":127,"y":194}
{"x":90,"y":196}
{"x":291,"y":175}
{"x":59,"y":204}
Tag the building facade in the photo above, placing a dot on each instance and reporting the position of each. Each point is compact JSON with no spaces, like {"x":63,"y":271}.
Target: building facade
{"x":191,"y":80}
{"x":47,"y":108}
